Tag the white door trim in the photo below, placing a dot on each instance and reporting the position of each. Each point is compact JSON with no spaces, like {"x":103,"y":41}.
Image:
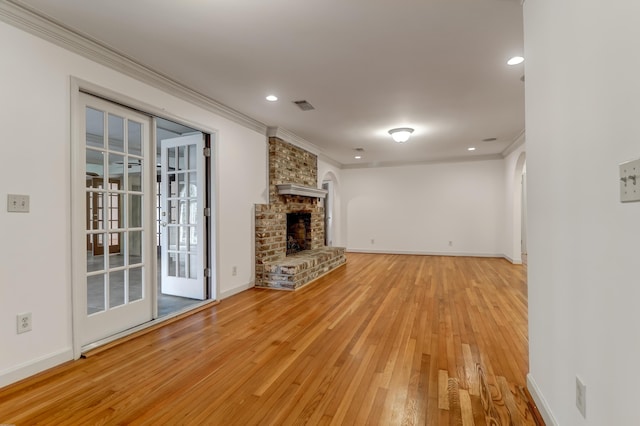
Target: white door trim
{"x":125,"y":313}
{"x":328,"y":211}
{"x":78,"y":86}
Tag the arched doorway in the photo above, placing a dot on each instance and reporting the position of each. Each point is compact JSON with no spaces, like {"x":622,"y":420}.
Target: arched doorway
{"x":520,"y":210}
{"x":331,"y":205}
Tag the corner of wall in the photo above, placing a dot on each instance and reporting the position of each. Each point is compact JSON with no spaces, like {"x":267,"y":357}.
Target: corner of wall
{"x":512,"y":260}
{"x":541,"y":402}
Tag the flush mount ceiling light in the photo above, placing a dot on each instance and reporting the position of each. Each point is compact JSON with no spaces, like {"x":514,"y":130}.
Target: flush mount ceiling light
{"x":401,"y":134}
{"x":515,"y":60}
{"x":272,"y":98}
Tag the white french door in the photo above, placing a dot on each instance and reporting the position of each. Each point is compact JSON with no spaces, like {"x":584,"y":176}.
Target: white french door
{"x":182,"y":206}
{"x":114,"y":289}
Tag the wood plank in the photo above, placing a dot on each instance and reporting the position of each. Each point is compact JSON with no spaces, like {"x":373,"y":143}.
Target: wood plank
{"x":387,"y":339}
{"x":466,"y":408}
{"x":443,"y":390}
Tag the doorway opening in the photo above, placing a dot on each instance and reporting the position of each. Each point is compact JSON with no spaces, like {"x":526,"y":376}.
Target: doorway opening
{"x":182,"y":213}
{"x":331,"y":203}
{"x":141,"y":225}
{"x":523,"y":224}
{"x":520,"y":210}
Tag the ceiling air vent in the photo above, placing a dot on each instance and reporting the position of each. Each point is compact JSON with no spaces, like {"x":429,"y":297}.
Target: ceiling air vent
{"x":304,"y":105}
{"x":489,"y":139}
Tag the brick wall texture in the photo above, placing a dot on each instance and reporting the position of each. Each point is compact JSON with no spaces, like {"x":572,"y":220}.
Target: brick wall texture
{"x":287,"y":164}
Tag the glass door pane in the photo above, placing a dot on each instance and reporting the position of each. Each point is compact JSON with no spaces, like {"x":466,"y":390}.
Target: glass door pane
{"x":182,"y":207}
{"x":118,"y":294}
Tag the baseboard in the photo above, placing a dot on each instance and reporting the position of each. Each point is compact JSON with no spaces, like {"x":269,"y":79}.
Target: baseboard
{"x":543,"y":407}
{"x":36,"y":366}
{"x":514,"y":261}
{"x":425,"y":253}
{"x":236,"y":290}
{"x":436,"y":253}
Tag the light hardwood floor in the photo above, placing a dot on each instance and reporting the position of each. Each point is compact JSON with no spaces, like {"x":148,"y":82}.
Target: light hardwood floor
{"x":386,"y":339}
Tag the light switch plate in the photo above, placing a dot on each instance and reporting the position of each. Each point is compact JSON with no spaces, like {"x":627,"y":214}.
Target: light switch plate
{"x":17,"y":203}
{"x":630,"y":181}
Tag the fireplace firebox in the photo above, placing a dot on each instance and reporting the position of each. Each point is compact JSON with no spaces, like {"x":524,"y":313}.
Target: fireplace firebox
{"x":298,"y":232}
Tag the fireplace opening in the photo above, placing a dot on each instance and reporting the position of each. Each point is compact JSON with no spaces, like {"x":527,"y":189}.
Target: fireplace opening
{"x":298,"y":232}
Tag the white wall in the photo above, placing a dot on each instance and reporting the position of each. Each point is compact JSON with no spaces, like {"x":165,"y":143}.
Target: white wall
{"x":35,"y":263}
{"x":242,"y":165}
{"x":582,"y":110}
{"x":419,"y":209}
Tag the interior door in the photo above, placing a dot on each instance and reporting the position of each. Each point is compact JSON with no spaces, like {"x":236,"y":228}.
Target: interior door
{"x":116,"y":286}
{"x":182,"y":216}
{"x":95,"y":213}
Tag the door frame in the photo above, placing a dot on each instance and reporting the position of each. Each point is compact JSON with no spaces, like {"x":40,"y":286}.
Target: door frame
{"x":78,"y":211}
{"x":174,"y":284}
{"x":328,"y":212}
{"x":523,"y":222}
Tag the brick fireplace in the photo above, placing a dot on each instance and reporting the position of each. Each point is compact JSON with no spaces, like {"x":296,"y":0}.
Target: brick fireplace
{"x":290,"y":252}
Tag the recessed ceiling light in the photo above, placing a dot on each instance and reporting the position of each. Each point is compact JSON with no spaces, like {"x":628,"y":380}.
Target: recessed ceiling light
{"x":358,"y":157}
{"x":272,"y":98}
{"x":515,"y":60}
{"x":471,"y":148}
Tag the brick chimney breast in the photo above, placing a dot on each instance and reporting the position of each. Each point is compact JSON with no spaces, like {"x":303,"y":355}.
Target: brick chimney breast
{"x":289,"y":164}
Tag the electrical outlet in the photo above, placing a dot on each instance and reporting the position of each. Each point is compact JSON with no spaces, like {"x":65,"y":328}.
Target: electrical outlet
{"x":581,"y":397}
{"x":24,"y":322}
{"x":450,"y":243}
{"x":234,"y":271}
{"x":373,"y":241}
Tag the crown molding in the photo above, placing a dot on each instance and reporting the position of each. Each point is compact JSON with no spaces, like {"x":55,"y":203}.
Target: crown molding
{"x":40,"y":25}
{"x":424,"y":162}
{"x":292,"y":138}
{"x":517,"y":143}
{"x":34,"y":22}
{"x":296,"y":140}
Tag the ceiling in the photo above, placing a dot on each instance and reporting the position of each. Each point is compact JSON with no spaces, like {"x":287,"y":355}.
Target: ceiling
{"x":438,"y":66}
